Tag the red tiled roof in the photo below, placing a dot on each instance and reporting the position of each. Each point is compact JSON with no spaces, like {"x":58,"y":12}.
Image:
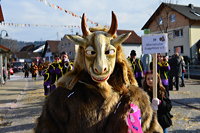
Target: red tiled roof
{"x":133,"y":38}
{"x":53,"y":45}
{"x":1,"y":15}
{"x":4,"y":48}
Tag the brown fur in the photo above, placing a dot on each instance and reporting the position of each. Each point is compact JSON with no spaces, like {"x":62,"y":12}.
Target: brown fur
{"x":80,"y":105}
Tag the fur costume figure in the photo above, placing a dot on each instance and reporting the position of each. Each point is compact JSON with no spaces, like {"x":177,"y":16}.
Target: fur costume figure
{"x":95,"y":97}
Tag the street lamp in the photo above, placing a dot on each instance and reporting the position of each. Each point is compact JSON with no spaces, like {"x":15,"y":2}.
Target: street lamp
{"x":2,"y":33}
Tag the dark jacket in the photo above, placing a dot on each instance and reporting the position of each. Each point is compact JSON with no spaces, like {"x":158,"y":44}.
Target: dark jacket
{"x":55,"y":71}
{"x":163,"y":113}
{"x":137,"y":67}
{"x":176,"y":66}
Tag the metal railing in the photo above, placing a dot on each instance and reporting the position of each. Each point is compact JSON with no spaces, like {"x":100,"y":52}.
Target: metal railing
{"x":192,"y":70}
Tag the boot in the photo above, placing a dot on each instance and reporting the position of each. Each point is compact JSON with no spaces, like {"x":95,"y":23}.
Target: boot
{"x":182,"y":85}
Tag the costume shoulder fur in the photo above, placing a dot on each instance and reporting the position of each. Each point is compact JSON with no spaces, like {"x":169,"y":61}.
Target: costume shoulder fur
{"x":83,"y":110}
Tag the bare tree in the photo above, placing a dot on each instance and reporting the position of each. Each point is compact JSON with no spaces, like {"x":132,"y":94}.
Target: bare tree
{"x":11,"y":44}
{"x":163,"y":21}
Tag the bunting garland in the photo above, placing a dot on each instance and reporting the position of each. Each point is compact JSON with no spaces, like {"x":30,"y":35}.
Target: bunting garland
{"x":66,"y":11}
{"x":38,"y":25}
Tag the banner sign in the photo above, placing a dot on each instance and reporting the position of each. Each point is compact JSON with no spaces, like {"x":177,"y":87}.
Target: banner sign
{"x":155,"y":43}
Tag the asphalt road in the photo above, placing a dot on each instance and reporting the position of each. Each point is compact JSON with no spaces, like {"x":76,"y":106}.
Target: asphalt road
{"x":20,"y":104}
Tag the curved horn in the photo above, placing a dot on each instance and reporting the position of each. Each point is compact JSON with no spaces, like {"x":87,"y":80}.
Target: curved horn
{"x":84,"y":27}
{"x":114,"y":25}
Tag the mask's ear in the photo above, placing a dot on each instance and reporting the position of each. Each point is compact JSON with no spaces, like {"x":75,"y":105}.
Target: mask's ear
{"x":76,"y":39}
{"x":120,"y":39}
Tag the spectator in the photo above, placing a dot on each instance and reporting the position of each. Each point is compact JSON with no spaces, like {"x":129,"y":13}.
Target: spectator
{"x":162,"y":69}
{"x":26,"y":70}
{"x":137,"y":67}
{"x":161,"y":104}
{"x":176,"y":70}
{"x":47,"y":82}
{"x":55,"y":72}
{"x":65,"y":63}
{"x":34,"y":70}
{"x":5,"y":72}
{"x":183,"y":73}
{"x":146,"y":60}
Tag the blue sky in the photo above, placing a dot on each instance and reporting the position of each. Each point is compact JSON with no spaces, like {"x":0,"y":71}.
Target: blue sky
{"x":131,"y":14}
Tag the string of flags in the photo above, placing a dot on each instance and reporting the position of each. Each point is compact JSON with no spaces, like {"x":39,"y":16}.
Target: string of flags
{"x":38,"y":25}
{"x":66,"y":11}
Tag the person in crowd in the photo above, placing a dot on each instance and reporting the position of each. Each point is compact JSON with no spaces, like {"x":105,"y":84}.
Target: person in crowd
{"x":146,"y":60}
{"x":183,"y":73}
{"x":175,"y":63}
{"x":8,"y":69}
{"x":65,"y":63}
{"x":4,"y":74}
{"x":137,"y":67}
{"x":34,"y":70}
{"x":47,"y":82}
{"x":55,"y":72}
{"x":40,"y":69}
{"x":26,"y":70}
{"x":163,"y":69}
{"x":161,"y":104}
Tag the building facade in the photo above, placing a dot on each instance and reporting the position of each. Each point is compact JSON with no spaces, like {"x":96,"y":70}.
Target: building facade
{"x":182,"y":23}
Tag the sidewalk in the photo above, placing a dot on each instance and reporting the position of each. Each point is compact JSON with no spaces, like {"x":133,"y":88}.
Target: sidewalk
{"x":186,"y":108}
{"x":21,"y":101}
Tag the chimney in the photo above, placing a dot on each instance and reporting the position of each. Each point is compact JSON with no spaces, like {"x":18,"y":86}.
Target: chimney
{"x":191,"y":6}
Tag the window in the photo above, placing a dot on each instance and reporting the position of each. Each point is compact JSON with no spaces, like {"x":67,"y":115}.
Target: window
{"x":172,"y":17}
{"x":181,"y":49}
{"x":160,"y":21}
{"x":178,"y":33}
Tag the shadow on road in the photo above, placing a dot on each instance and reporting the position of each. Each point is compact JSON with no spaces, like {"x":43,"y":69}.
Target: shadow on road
{"x":18,"y":128}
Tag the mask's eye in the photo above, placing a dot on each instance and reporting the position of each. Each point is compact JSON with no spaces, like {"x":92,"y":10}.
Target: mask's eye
{"x":110,"y":52}
{"x":90,"y":52}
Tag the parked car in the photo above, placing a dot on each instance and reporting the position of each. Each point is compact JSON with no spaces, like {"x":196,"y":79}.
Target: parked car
{"x":17,"y":66}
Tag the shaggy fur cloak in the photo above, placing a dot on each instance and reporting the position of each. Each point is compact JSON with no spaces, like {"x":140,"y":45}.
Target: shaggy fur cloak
{"x":78,"y":105}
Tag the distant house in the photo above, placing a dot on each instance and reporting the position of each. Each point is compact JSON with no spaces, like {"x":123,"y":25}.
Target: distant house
{"x":182,"y":23}
{"x":29,"y":53}
{"x":28,"y":48}
{"x":50,"y":49}
{"x":132,"y":43}
{"x":68,"y":46}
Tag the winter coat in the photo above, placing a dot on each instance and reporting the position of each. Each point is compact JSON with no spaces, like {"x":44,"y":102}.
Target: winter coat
{"x":176,"y":65}
{"x":164,"y":108}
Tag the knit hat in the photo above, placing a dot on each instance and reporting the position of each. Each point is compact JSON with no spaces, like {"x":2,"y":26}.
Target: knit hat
{"x":133,"y":53}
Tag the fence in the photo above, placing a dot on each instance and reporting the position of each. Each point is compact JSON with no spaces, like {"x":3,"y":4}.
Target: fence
{"x":192,"y":71}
